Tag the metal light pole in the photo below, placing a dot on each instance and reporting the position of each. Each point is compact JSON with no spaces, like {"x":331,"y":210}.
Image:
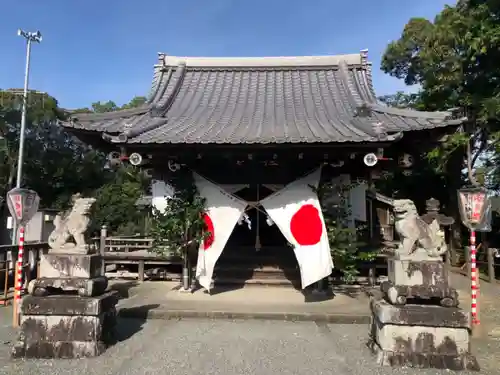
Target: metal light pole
{"x":30,"y":38}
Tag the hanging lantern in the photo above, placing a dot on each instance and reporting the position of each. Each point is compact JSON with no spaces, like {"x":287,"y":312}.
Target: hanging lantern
{"x":23,"y":204}
{"x":405,"y":160}
{"x":472,"y":203}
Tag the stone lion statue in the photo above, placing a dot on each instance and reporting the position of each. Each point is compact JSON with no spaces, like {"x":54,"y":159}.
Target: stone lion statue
{"x":415,"y":233}
{"x":72,"y":224}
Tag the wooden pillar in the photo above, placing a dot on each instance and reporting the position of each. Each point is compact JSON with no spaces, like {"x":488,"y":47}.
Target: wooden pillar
{"x":467,"y":261}
{"x":491,"y":264}
{"x":102,"y":248}
{"x":140,"y":271}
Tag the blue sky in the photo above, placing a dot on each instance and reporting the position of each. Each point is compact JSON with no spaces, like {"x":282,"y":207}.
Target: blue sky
{"x":105,"y":50}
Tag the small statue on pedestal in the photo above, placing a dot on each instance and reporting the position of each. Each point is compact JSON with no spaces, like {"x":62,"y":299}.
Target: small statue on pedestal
{"x":68,"y":313}
{"x":72,"y":224}
{"x":415,"y":317}
{"x":68,"y":265}
{"x":416,"y":268}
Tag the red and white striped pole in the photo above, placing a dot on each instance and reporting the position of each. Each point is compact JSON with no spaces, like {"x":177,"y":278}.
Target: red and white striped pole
{"x":18,"y":278}
{"x":474,"y":280}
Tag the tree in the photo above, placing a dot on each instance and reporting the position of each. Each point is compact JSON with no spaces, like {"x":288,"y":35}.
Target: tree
{"x":181,"y":226}
{"x":55,"y":164}
{"x":58,"y":165}
{"x":402,"y":100}
{"x":346,"y":248}
{"x":111,"y":106}
{"x":115,"y":206}
{"x":455,"y":61}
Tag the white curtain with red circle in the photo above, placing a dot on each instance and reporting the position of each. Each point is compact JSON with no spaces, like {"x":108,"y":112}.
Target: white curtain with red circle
{"x":223,"y":210}
{"x":296,"y":211}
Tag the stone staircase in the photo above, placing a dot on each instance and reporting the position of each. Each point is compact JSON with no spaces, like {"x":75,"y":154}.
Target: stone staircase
{"x":270,"y":266}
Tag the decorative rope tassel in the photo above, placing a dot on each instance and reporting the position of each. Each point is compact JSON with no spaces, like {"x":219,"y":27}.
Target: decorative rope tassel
{"x":258,"y":245}
{"x":474,"y":279}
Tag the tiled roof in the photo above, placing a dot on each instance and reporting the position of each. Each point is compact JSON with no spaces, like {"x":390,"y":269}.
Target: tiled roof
{"x":315,"y":99}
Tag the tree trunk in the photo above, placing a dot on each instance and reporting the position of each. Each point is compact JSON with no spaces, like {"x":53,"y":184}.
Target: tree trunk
{"x":454,"y":179}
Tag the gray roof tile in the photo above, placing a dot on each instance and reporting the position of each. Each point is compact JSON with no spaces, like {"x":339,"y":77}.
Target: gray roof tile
{"x":316,"y":99}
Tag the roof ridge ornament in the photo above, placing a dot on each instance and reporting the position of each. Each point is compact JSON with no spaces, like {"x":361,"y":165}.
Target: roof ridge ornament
{"x":364,"y":57}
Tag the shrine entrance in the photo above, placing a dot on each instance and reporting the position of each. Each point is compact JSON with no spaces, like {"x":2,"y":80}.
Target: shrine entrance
{"x":257,"y":253}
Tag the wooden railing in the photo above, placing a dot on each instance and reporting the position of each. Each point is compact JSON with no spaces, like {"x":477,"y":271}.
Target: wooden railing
{"x":7,"y":267}
{"x":133,"y":250}
{"x":486,"y":263}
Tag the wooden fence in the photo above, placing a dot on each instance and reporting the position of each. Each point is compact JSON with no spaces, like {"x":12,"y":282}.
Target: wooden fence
{"x":7,"y":267}
{"x":486,"y":260}
{"x":132,"y":250}
{"x":135,"y":250}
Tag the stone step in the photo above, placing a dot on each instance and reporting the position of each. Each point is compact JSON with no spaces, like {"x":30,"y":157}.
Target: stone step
{"x":258,"y":260}
{"x":265,"y":273}
{"x":253,"y":282}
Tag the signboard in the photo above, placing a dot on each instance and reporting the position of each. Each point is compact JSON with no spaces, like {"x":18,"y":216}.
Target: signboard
{"x":23,"y":204}
{"x":485,"y":225}
{"x":473,"y":204}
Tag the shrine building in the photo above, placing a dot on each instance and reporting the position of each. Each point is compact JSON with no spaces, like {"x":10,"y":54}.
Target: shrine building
{"x":253,"y":125}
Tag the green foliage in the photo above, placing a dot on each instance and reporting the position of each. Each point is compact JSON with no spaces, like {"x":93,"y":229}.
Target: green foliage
{"x":50,"y":153}
{"x":58,"y":165}
{"x":117,"y":194}
{"x":455,"y":61}
{"x":111,"y":106}
{"x":115,"y":203}
{"x":346,"y":248}
{"x":181,"y":226}
{"x":402,"y":100}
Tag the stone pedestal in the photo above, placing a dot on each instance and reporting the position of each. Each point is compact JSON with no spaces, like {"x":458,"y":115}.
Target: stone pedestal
{"x":57,"y":265}
{"x":69,"y":273}
{"x":421,"y":336}
{"x":425,"y":278}
{"x":66,"y":326}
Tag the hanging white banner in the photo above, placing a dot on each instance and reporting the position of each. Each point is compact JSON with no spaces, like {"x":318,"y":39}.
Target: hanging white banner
{"x":233,"y":188}
{"x":273,"y":187}
{"x":297,"y":213}
{"x":223,"y":211}
{"x":357,"y":200}
{"x":161,"y":192}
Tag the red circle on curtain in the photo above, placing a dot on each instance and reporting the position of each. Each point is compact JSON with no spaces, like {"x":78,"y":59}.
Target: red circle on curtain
{"x":306,"y":226}
{"x":209,"y":227}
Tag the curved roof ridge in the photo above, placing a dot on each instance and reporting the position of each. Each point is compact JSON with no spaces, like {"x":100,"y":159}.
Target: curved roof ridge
{"x":438,"y":115}
{"x":122,"y":113}
{"x":261,"y":62}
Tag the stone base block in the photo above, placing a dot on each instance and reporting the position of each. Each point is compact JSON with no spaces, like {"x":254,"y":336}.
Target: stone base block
{"x":399,"y":294}
{"x":59,"y":349}
{"x":59,"y":265}
{"x":66,"y":326}
{"x":84,"y":287}
{"x":421,"y":336}
{"x":410,"y":278}
{"x":458,"y":362}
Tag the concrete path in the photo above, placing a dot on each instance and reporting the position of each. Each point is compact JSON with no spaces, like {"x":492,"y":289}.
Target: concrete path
{"x":226,"y":347}
{"x":163,"y":300}
{"x":489,"y":303}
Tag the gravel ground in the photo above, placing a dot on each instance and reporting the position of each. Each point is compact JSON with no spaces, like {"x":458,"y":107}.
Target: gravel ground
{"x":224,"y":347}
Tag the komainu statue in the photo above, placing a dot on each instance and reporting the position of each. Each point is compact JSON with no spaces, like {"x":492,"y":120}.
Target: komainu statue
{"x":72,"y":224}
{"x":415,"y":234}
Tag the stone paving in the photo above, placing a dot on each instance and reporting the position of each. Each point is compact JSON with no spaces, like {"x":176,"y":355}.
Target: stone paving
{"x":225,"y":347}
{"x":191,"y":346}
